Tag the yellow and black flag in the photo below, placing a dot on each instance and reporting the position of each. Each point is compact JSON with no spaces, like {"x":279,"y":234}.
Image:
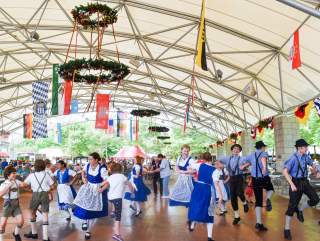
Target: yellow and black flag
{"x":201,"y":59}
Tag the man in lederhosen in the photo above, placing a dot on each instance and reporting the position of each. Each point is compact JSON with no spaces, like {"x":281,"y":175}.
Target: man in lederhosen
{"x":260,"y":180}
{"x":295,"y":171}
{"x":236,"y":182}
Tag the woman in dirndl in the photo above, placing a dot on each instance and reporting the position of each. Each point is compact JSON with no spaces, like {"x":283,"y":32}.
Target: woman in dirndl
{"x":202,"y":204}
{"x":89,"y":203}
{"x":181,"y":192}
{"x":66,"y":193}
{"x":141,"y":191}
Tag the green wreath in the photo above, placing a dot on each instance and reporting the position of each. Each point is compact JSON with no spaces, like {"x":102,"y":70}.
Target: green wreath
{"x":158,"y":129}
{"x":144,"y":113}
{"x":81,"y":15}
{"x":233,"y":136}
{"x":116,"y":71}
{"x":163,"y":137}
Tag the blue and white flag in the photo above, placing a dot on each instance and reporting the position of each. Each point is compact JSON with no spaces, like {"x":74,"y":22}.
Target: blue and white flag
{"x":74,"y":106}
{"x":39,"y":127}
{"x":317,"y":105}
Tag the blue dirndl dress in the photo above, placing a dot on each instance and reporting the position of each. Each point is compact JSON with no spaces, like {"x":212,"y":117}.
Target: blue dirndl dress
{"x":89,"y":203}
{"x":142,"y":191}
{"x":66,"y":194}
{"x":201,"y":208}
{"x":181,"y":192}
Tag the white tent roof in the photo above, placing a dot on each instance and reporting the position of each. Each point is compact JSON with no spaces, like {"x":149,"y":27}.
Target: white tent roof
{"x":248,"y":40}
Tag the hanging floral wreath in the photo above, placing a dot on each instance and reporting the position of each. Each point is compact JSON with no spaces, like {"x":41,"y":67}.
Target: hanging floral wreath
{"x":219,"y":143}
{"x":144,"y":113}
{"x":266,"y":123}
{"x":110,"y":71}
{"x":158,"y":129}
{"x":167,"y":143}
{"x":163,"y":137}
{"x":106,"y":15}
{"x":233,"y":136}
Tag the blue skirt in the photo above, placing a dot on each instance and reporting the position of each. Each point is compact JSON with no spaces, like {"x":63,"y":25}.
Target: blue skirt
{"x":141,"y":195}
{"x":88,"y":214}
{"x":200,"y":204}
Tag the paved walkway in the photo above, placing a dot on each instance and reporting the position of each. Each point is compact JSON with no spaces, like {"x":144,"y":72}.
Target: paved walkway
{"x":162,"y":223}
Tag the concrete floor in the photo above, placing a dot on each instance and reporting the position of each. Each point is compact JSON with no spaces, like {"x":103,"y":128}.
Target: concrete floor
{"x":162,"y":223}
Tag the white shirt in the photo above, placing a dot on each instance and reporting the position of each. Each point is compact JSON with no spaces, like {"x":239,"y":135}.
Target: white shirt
{"x":70,"y":173}
{"x":95,"y":172}
{"x":50,"y":173}
{"x":182,"y":162}
{"x":33,"y":182}
{"x":217,"y":173}
{"x":14,"y":189}
{"x":117,"y":184}
{"x":165,"y":170}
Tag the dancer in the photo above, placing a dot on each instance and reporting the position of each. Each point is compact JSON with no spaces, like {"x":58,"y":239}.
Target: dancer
{"x":41,"y":184}
{"x":201,"y":208}
{"x":219,"y":180}
{"x":141,"y":191}
{"x":295,"y":171}
{"x":236,"y":183}
{"x":9,"y":190}
{"x":260,"y":179}
{"x":89,"y":202}
{"x":66,"y":193}
{"x":156,"y":162}
{"x":181,"y":192}
{"x":116,"y":184}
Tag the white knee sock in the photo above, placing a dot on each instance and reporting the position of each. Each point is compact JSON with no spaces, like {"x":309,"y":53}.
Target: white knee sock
{"x":138,"y":205}
{"x":258,"y":215}
{"x":45,"y":231}
{"x":90,"y":223}
{"x":245,"y":202}
{"x":1,"y":236}
{"x":223,"y":206}
{"x":192,"y":225}
{"x":33,"y":227}
{"x":68,"y":212}
{"x":288,"y":222}
{"x":269,"y":194}
{"x":209,"y":229}
{"x":236,"y":214}
{"x":304,"y":206}
{"x":17,"y":230}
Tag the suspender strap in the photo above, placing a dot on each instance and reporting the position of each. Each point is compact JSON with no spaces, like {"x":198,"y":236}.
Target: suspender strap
{"x":303,"y":171}
{"x":40,"y":183}
{"x":236,"y":170}
{"x":257,"y":164}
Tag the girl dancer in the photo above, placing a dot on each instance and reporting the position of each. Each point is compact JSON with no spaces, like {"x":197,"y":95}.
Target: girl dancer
{"x":201,"y":208}
{"x":89,"y":202}
{"x":141,"y":191}
{"x":181,"y":192}
{"x":66,"y":193}
{"x":116,"y":184}
{"x":9,"y":190}
{"x":41,"y":184}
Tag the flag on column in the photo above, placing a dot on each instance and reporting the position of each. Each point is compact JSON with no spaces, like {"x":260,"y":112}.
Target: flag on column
{"x":317,"y":105}
{"x":61,"y":93}
{"x":302,"y":112}
{"x":295,"y":51}
{"x":102,"y":115}
{"x":110,"y":127}
{"x":27,"y":126}
{"x":201,"y":59}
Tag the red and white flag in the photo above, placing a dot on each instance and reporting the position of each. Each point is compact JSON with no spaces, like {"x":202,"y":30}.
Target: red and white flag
{"x":102,"y":116}
{"x":295,"y":51}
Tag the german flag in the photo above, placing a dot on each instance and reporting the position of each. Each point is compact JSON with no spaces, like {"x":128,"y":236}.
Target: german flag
{"x":201,"y":60}
{"x":27,"y":126}
{"x":302,"y":112}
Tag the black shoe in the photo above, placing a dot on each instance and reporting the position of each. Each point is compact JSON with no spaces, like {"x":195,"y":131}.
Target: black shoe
{"x":46,"y":239}
{"x":269,"y":205}
{"x":31,"y":235}
{"x":133,"y":208}
{"x":68,"y":219}
{"x":87,"y":235}
{"x":300,"y":216}
{"x":138,"y":214}
{"x":210,"y":239}
{"x":236,"y":221}
{"x":261,"y":227}
{"x":17,"y":237}
{"x":189,"y":226}
{"x":84,"y":227}
{"x":287,"y":234}
{"x":246,"y":207}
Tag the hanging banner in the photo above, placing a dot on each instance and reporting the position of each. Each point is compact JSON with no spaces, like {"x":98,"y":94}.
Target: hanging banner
{"x":295,"y":51}
{"x":102,"y":111}
{"x":317,"y":105}
{"x":137,"y":128}
{"x":302,"y":112}
{"x":27,"y":126}
{"x":74,"y":106}
{"x":58,"y":133}
{"x":40,"y":91}
{"x":4,"y":136}
{"x":201,"y":59}
{"x":110,"y":127}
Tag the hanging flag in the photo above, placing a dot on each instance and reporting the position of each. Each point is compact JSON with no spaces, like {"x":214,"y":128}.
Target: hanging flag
{"x":110,"y":127}
{"x":59,"y":129}
{"x":118,"y":123}
{"x":201,"y":59}
{"x":131,"y":129}
{"x":102,"y":116}
{"x":74,"y":106}
{"x":186,"y":116}
{"x":295,"y":51}
{"x":61,"y":93}
{"x":254,"y":133}
{"x":27,"y":126}
{"x":39,"y":127}
{"x":137,"y":128}
{"x":317,"y":105}
{"x":302,"y":112}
